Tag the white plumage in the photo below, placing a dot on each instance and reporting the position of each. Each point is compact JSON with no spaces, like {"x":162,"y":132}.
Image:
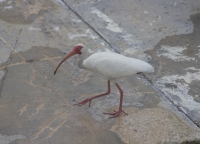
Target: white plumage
{"x":110,"y":66}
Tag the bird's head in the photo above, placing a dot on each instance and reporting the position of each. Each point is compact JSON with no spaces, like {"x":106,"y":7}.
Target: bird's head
{"x":75,"y":51}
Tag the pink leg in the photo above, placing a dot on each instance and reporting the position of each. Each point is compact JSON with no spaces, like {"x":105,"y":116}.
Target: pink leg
{"x":117,"y":113}
{"x":90,"y":99}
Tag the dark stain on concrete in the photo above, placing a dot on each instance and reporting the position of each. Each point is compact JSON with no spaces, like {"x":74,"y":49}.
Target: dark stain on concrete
{"x":171,"y":85}
{"x":191,"y":41}
{"x":191,"y":142}
{"x":165,"y":66}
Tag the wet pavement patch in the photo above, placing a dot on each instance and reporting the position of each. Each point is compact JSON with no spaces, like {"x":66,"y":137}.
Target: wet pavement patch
{"x":178,"y":71}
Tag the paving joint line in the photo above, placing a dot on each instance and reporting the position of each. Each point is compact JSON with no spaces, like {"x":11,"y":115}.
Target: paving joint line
{"x":16,"y":40}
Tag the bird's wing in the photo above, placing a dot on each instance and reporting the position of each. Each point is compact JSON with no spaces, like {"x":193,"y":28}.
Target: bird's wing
{"x":112,"y":65}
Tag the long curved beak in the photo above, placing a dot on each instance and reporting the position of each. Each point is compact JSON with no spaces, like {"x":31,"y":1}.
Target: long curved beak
{"x":65,"y":58}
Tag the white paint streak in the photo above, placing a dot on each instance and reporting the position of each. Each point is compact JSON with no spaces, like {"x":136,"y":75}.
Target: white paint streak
{"x":7,"y":7}
{"x":107,"y":50}
{"x":34,"y":29}
{"x":56,"y":28}
{"x":72,"y":36}
{"x":130,"y":51}
{"x":8,"y":139}
{"x":76,"y":20}
{"x":90,"y":51}
{"x":182,"y":88}
{"x":192,"y":68}
{"x":135,"y":44}
{"x":199,"y":52}
{"x":151,"y":23}
{"x":102,"y":43}
{"x":88,"y":34}
{"x":2,"y":1}
{"x":174,"y":53}
{"x":189,"y":77}
{"x":111,"y":25}
{"x":88,"y":31}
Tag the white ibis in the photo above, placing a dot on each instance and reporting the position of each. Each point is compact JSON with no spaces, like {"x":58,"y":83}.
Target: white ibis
{"x":109,"y":66}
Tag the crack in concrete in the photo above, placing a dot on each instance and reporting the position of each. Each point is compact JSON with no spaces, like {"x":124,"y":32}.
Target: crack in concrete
{"x":40,"y":107}
{"x":10,"y":65}
{"x":89,"y":127}
{"x":57,"y":127}
{"x":47,"y":124}
{"x":23,"y":109}
{"x":17,"y":39}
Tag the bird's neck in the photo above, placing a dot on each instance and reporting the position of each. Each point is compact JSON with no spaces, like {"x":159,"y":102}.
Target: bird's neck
{"x":81,"y":59}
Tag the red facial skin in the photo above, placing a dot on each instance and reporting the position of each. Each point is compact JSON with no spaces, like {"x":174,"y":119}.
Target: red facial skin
{"x":75,"y":50}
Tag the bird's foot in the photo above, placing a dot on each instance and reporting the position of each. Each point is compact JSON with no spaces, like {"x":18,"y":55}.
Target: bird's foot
{"x":84,"y":102}
{"x":116,"y":113}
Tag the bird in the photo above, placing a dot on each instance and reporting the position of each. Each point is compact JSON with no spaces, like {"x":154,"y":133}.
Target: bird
{"x":110,"y":66}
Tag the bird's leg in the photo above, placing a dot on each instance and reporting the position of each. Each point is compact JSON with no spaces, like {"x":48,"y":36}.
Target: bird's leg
{"x":117,"y":113}
{"x":90,"y":99}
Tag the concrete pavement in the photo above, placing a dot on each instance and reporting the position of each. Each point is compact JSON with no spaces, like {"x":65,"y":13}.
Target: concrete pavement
{"x":37,"y":107}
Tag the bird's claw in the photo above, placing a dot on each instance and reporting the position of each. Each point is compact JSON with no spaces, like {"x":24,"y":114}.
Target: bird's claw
{"x":116,"y":113}
{"x":84,"y":102}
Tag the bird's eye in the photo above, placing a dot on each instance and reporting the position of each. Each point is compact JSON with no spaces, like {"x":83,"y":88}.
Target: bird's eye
{"x":79,"y":48}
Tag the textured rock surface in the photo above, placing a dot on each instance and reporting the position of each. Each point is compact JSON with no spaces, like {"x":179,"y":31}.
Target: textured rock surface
{"x":152,"y":126}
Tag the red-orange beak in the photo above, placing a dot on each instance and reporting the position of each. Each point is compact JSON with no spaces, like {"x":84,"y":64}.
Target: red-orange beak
{"x":65,"y":58}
